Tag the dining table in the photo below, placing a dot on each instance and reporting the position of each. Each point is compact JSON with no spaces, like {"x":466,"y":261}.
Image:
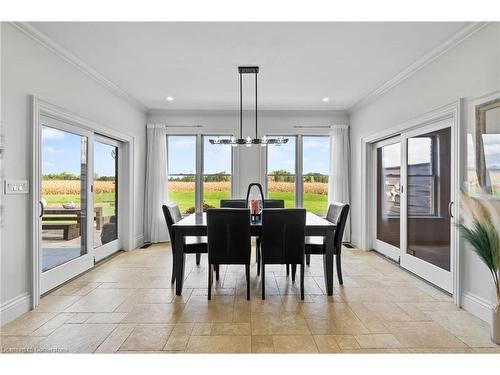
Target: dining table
{"x":196,"y":225}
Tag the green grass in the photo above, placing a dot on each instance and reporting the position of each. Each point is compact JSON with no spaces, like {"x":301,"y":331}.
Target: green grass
{"x":185,"y":199}
{"x":316,"y":203}
{"x":106,"y":200}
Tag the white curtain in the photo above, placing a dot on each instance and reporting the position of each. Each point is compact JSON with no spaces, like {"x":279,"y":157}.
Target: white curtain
{"x":339,"y":180}
{"x":156,"y":191}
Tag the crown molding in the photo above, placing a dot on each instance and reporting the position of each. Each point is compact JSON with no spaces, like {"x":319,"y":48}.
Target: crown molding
{"x":429,"y":57}
{"x":63,"y":53}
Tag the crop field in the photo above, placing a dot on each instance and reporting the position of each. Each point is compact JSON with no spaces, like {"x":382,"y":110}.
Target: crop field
{"x":315,"y":194}
{"x":57,"y":192}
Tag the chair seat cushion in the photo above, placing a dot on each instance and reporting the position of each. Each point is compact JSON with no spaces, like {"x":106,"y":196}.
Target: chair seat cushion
{"x":314,"y":245}
{"x":195,"y":244}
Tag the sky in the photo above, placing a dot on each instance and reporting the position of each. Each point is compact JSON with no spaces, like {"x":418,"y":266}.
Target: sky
{"x":62,"y":152}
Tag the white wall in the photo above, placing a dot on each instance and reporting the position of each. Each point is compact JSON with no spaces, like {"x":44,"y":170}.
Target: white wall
{"x":250,"y":160}
{"x":470,"y":70}
{"x":28,"y":68}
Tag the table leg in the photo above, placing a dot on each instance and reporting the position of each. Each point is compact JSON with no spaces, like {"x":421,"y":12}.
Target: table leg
{"x":180,"y":258}
{"x":328,"y":263}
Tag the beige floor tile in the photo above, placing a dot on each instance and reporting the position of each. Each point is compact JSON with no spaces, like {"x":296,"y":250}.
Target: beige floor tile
{"x":231,"y":329}
{"x":202,"y":329}
{"x":219,"y":344}
{"x":176,"y":343}
{"x":26,"y":323}
{"x":198,"y":309}
{"x":373,"y":351}
{"x":115,"y":339}
{"x":378,"y":341}
{"x":346,"y":341}
{"x":336,"y":327}
{"x":471,"y":330}
{"x":327,"y":344}
{"x":424,"y":335}
{"x":283,"y":323}
{"x":78,"y":318}
{"x":76,"y":338}
{"x":147,"y":337}
{"x":294,"y":344}
{"x":152,"y":313}
{"x":100,"y":300}
{"x":106,"y":318}
{"x":56,"y":303}
{"x":182,"y":329}
{"x":52,"y":324}
{"x":75,"y":288}
{"x":262,"y":344}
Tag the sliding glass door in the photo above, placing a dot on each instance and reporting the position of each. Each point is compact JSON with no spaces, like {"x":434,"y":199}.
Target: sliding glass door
{"x":387,"y":200}
{"x":427,"y":204}
{"x":413,"y":201}
{"x":105,"y":194}
{"x":65,"y":243}
{"x":78,"y":201}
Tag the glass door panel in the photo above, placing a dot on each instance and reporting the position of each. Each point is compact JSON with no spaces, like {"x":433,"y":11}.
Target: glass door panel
{"x":429,"y":194}
{"x":281,"y":172}
{"x":217,"y":170}
{"x":63,"y":196}
{"x":105,"y":221}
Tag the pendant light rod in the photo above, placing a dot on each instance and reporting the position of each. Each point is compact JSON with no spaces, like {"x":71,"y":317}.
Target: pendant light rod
{"x":256,"y":136}
{"x":248,"y":141}
{"x":241,"y":105}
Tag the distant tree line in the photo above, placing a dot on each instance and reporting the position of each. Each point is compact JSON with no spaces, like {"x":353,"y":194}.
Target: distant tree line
{"x":217,"y":177}
{"x":282,"y":175}
{"x":67,"y":176}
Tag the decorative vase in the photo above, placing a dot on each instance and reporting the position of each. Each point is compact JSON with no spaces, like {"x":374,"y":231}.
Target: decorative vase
{"x":495,"y":326}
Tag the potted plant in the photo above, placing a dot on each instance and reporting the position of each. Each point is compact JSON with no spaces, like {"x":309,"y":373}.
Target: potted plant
{"x":480,"y":227}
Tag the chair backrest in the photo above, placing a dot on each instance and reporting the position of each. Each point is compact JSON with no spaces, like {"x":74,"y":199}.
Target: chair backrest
{"x":172,"y":215}
{"x":337,"y":214}
{"x":283,"y":235}
{"x":228,"y":235}
{"x":274,"y":203}
{"x":233,"y":203}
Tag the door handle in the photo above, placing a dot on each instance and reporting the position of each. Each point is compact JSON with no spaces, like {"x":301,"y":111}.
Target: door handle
{"x":450,"y":206}
{"x":41,"y":208}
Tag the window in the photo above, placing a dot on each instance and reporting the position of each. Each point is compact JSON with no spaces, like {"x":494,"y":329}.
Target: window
{"x":315,"y":171}
{"x":182,"y":171}
{"x":281,"y":172}
{"x":217,"y":168}
{"x":422,"y":176}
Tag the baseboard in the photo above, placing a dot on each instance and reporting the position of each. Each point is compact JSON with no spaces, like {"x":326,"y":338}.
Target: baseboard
{"x":138,"y":241}
{"x":477,"y":306}
{"x":14,"y":308}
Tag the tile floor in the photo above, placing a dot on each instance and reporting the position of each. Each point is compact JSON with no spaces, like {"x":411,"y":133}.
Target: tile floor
{"x":127,"y":305}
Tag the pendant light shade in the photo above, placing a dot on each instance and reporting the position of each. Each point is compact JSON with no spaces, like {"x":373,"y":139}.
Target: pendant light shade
{"x":248,"y":141}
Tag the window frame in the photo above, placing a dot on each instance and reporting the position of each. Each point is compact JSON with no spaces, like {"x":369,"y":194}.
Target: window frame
{"x":199,"y":168}
{"x":299,"y":158}
{"x":203,"y":174}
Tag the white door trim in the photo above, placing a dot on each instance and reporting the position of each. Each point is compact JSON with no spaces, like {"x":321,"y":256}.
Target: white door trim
{"x":40,"y":107}
{"x":452,"y":111}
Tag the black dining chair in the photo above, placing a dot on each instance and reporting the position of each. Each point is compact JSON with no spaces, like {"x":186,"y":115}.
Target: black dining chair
{"x":192,"y":244}
{"x":228,"y":241}
{"x":269,"y":203}
{"x":337,"y":214}
{"x":233,"y":203}
{"x":283,"y":241}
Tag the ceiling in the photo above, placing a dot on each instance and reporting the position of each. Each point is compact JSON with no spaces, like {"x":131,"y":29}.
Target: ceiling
{"x":300,"y":63}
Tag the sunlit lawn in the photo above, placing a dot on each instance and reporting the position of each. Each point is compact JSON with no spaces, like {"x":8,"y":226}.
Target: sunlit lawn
{"x":315,"y":203}
{"x":106,"y":200}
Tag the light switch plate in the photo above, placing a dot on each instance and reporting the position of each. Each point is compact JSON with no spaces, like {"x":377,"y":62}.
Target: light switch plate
{"x":16,"y":187}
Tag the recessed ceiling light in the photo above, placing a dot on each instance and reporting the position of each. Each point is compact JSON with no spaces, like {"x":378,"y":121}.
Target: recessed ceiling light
{"x":325,"y":100}
{"x":170,"y":99}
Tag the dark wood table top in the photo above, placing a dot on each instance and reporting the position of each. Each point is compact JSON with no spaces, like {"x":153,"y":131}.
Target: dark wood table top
{"x":198,"y":220}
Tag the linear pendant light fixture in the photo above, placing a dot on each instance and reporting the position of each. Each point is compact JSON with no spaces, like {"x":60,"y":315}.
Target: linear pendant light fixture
{"x":248,"y":141}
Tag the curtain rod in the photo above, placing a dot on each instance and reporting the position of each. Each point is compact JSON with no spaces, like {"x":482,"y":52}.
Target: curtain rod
{"x":321,"y":127}
{"x":165,"y":126}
